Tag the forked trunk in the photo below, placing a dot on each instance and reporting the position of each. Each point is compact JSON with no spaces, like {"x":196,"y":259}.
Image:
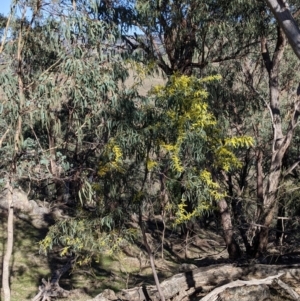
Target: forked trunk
{"x":50,"y":289}
{"x":281,"y":11}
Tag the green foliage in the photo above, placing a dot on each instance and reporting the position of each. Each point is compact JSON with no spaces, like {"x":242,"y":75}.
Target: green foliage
{"x":86,"y":237}
{"x":192,"y":144}
{"x":154,"y":134}
{"x":184,"y":36}
{"x":63,"y":117}
{"x":64,"y":79}
{"x":86,"y":135}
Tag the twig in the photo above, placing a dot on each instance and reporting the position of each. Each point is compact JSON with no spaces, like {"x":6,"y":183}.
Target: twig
{"x":53,"y":65}
{"x":150,"y":254}
{"x":3,"y":137}
{"x":6,"y":28}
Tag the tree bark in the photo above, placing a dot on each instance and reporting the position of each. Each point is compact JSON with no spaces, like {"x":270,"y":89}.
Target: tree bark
{"x":60,"y":188}
{"x":280,"y":143}
{"x":233,"y":248}
{"x":286,"y":21}
{"x":236,"y":203}
{"x":253,"y":230}
{"x":280,"y":223}
{"x":259,"y":182}
{"x":17,"y":142}
{"x":182,"y":286}
{"x":9,"y":246}
{"x":214,"y":295}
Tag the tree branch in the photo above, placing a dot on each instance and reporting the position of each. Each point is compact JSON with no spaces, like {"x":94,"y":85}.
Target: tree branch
{"x":286,"y":21}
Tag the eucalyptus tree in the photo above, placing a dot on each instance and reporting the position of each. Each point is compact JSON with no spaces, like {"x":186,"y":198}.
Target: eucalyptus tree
{"x":181,"y":37}
{"x":187,"y":37}
{"x":259,"y":97}
{"x":190,"y":37}
{"x":57,"y":79}
{"x":58,"y":50}
{"x":282,"y":133}
{"x":283,"y":129}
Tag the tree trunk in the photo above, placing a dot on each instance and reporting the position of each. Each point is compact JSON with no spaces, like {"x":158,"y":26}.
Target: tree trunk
{"x":253,"y":229}
{"x":60,"y":187}
{"x":280,"y":142}
{"x":17,"y":143}
{"x":280,"y":223}
{"x":259,"y":183}
{"x":9,"y":245}
{"x":232,"y":246}
{"x":241,"y":221}
{"x":286,"y":21}
{"x":237,"y":204}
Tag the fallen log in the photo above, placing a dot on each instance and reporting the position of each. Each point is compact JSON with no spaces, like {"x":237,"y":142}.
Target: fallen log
{"x":203,"y":280}
{"x":246,"y":293}
{"x":215,"y":294}
{"x":288,"y":289}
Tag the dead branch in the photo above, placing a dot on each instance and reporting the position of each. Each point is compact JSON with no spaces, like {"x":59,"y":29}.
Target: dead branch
{"x":51,"y":289}
{"x":214,"y":295}
{"x":203,"y":280}
{"x":288,"y":289}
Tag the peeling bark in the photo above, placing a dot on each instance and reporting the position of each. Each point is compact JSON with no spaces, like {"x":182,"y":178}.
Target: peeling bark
{"x":280,"y":143}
